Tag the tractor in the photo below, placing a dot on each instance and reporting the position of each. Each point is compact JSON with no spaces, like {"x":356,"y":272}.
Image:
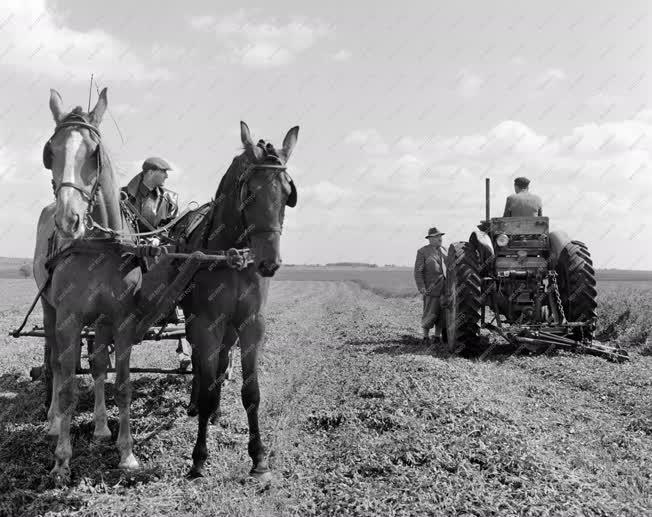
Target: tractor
{"x":534,"y":287}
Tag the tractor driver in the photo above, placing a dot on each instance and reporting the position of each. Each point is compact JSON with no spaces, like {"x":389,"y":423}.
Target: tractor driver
{"x":522,"y":203}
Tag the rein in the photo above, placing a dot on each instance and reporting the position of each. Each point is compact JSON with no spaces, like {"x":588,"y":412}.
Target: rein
{"x":192,"y":206}
{"x":90,"y":197}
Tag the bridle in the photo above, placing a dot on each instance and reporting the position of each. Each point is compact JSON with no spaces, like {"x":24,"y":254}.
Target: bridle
{"x":242,"y":189}
{"x":78,"y":122}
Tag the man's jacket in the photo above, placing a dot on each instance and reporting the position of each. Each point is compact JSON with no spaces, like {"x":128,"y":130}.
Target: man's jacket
{"x":158,"y":206}
{"x":523,"y":204}
{"x":430,"y":270}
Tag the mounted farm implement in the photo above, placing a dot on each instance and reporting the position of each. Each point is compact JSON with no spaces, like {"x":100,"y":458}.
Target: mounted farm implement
{"x":532,"y":286}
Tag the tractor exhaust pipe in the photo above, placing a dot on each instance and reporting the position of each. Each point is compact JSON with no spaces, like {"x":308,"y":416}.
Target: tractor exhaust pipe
{"x":486,"y":199}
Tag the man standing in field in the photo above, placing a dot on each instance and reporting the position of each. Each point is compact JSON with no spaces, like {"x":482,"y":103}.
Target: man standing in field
{"x":429,"y":275}
{"x":522,"y":203}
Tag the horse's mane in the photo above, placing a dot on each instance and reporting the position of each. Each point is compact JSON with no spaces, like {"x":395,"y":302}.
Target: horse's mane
{"x":229,"y":179}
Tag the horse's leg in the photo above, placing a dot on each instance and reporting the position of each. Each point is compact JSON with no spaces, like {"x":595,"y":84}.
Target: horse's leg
{"x":64,"y":361}
{"x":222,"y":366}
{"x":194,"y":393}
{"x":206,"y":343}
{"x":99,"y":363}
{"x":224,"y":363}
{"x":251,"y":334}
{"x":52,"y":380}
{"x":123,"y":336}
{"x":230,"y":339}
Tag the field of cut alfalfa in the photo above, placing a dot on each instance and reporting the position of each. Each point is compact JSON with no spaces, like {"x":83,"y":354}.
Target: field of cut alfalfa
{"x":358,"y":417}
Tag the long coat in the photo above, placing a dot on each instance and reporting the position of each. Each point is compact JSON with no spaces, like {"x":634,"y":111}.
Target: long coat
{"x":430,"y":270}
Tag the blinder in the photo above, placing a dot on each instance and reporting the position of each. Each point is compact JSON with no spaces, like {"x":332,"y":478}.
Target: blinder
{"x":292,"y":198}
{"x":71,"y":121}
{"x":47,"y":155}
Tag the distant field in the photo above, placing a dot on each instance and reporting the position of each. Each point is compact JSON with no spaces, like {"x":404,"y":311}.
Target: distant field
{"x":624,"y":306}
{"x":10,"y":267}
{"x":390,"y":282}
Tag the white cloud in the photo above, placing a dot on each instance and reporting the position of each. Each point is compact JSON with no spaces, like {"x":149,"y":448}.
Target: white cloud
{"x":598,"y":180}
{"x":342,"y":55}
{"x":35,"y":41}
{"x":550,"y":77}
{"x":645,"y":115}
{"x":325,"y":193}
{"x":202,"y":21}
{"x":469,"y":83}
{"x":262,"y":43}
{"x":369,"y":141}
{"x":603,"y":100}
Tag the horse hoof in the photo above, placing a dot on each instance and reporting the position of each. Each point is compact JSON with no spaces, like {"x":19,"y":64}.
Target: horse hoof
{"x":102,"y":435}
{"x":60,"y":476}
{"x":215,"y":417}
{"x":261,"y":473}
{"x":195,"y":473}
{"x":129,"y":463}
{"x":192,"y":410}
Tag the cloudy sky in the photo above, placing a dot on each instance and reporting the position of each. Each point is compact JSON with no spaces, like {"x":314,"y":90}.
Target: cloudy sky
{"x":404,"y":110}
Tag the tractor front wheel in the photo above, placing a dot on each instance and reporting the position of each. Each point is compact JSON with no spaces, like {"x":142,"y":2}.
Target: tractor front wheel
{"x":463,"y":298}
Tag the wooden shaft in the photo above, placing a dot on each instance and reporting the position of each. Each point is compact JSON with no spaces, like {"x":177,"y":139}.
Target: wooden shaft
{"x":84,"y":371}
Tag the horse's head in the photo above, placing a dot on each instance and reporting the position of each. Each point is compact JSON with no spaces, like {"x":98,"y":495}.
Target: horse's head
{"x":265,"y":189}
{"x":73,"y":155}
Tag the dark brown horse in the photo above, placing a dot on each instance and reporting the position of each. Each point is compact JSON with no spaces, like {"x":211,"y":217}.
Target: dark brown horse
{"x":95,"y":284}
{"x":248,"y":211}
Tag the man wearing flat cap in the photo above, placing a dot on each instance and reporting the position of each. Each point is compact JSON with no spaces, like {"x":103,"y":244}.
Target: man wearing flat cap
{"x":430,"y":275}
{"x":155,"y":204}
{"x":522,"y":203}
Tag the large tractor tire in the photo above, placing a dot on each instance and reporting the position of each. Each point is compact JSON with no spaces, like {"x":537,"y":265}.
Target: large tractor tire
{"x":576,"y":281}
{"x":463,"y":299}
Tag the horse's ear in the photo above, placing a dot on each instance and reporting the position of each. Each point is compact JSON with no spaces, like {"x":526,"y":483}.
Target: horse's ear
{"x":99,"y":109}
{"x":56,"y":105}
{"x":290,"y":141}
{"x":245,"y":135}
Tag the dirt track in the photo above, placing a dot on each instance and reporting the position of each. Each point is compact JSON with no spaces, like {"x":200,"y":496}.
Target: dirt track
{"x":357,"y":420}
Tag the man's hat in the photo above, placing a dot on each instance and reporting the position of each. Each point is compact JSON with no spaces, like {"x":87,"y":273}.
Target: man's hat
{"x":156,"y":163}
{"x":434,"y":232}
{"x":522,"y":182}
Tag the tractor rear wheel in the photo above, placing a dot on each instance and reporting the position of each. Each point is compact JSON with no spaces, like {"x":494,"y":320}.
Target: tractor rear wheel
{"x":577,"y":286}
{"x":463,"y":298}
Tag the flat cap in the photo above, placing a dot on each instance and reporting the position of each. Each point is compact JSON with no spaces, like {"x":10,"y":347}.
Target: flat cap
{"x":521,"y":182}
{"x":156,"y":163}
